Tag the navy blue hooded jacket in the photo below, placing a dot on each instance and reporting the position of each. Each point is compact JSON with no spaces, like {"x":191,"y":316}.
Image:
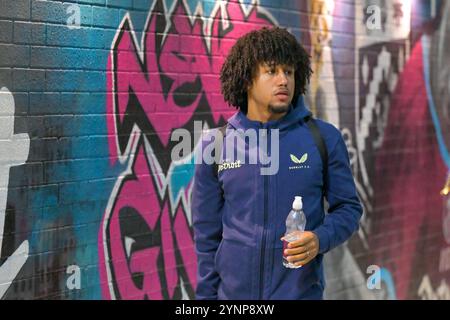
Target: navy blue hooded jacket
{"x":239,"y":214}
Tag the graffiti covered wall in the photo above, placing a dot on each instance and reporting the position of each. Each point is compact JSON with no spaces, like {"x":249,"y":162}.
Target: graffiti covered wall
{"x":92,"y":205}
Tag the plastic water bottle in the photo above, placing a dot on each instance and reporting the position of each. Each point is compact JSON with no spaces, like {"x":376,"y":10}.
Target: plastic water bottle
{"x":295,"y":224}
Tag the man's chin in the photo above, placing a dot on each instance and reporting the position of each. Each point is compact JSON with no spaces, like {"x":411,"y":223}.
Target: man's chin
{"x":279,"y":108}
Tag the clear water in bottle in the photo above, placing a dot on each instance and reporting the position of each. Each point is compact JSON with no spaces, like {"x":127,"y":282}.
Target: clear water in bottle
{"x":295,"y":225}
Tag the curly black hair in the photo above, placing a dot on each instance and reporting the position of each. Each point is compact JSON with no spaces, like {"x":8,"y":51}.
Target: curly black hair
{"x":266,"y":45}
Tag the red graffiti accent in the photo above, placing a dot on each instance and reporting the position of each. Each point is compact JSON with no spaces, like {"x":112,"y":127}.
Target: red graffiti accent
{"x":405,"y":215}
{"x":163,"y":83}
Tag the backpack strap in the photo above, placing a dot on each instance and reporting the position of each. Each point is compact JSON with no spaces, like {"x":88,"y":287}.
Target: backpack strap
{"x":218,"y":146}
{"x":320,"y":144}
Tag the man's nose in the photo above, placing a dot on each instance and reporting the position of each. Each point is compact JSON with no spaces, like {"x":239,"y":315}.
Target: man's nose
{"x":282,"y":78}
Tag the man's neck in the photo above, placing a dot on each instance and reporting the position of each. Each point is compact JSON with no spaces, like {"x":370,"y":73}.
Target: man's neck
{"x":263,"y":116}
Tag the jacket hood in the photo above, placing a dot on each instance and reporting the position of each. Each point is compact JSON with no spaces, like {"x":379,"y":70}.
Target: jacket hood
{"x":296,"y":114}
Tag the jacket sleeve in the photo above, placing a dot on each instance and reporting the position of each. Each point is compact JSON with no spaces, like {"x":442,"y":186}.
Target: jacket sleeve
{"x":345,"y":209}
{"x":207,"y":203}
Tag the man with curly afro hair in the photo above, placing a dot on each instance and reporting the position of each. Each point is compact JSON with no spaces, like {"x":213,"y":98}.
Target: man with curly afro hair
{"x":256,"y":54}
{"x":244,"y":247}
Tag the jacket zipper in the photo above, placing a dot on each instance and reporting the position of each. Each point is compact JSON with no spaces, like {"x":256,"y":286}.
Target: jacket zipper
{"x":263,"y":244}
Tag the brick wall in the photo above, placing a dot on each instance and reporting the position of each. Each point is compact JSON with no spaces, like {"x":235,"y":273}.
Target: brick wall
{"x":93,"y":207}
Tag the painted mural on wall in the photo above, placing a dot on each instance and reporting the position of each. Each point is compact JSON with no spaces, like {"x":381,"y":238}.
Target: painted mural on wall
{"x":402,"y":189}
{"x":14,"y":150}
{"x":87,"y":179}
{"x":147,"y":225}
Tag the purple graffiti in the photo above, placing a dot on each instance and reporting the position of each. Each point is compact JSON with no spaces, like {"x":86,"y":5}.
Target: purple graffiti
{"x":171,"y":79}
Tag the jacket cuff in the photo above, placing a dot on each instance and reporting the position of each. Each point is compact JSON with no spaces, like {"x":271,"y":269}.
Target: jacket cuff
{"x":324,"y":239}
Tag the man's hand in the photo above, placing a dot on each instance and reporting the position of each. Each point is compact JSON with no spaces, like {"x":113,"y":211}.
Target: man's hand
{"x":303,"y":250}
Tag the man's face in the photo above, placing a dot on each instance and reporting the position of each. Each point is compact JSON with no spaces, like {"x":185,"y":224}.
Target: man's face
{"x":272,"y":87}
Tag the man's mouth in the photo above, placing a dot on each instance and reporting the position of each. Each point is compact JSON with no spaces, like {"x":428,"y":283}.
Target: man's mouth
{"x":282,"y":95}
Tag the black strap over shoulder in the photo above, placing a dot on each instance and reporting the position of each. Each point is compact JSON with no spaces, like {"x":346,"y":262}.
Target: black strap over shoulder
{"x":320,"y":143}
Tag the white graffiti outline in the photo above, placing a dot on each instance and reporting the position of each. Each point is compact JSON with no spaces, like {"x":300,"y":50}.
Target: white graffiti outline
{"x":162,"y":184}
{"x":16,"y":146}
{"x":426,"y":291}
